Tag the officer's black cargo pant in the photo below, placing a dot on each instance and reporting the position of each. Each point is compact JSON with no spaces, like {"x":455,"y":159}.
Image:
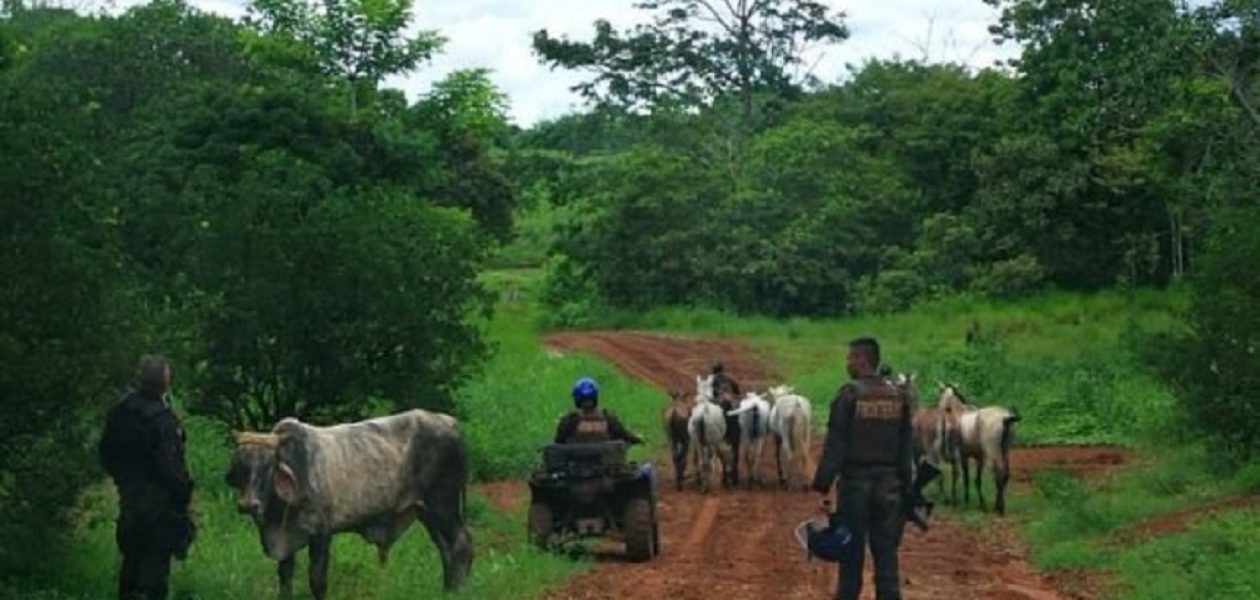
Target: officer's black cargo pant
{"x":144,"y":540}
{"x":872,"y":506}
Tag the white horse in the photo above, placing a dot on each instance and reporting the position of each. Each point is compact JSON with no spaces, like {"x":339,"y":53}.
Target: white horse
{"x":790,"y":425}
{"x":984,"y":434}
{"x":707,"y":430}
{"x":754,"y":427}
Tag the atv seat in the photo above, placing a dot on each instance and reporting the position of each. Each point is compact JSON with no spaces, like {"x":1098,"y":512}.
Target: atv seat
{"x":587,"y":458}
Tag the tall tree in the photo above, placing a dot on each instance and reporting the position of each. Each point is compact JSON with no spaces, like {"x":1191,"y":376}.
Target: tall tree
{"x":696,"y":52}
{"x":357,"y":41}
{"x":1093,"y":75}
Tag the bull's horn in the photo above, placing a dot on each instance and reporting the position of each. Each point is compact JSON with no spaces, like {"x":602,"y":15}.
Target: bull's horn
{"x":269,"y":440}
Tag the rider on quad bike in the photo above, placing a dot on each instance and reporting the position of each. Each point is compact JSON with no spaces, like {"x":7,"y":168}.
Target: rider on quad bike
{"x":586,"y":487}
{"x":589,"y":423}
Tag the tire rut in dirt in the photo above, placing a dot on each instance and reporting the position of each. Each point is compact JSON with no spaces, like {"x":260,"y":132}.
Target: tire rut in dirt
{"x":670,"y":362}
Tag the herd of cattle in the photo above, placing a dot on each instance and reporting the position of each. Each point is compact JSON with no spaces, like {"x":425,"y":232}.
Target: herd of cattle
{"x":302,"y":484}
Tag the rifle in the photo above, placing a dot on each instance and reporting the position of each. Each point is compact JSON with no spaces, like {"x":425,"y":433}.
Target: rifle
{"x":918,"y":508}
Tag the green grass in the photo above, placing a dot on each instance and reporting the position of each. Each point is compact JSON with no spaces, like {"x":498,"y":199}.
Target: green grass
{"x":1060,"y":358}
{"x":512,"y":409}
{"x":228,"y":562}
{"x":1215,"y":559}
{"x":1070,"y":523}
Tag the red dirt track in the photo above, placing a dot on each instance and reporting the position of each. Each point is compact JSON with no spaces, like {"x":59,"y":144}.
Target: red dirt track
{"x":738,"y":545}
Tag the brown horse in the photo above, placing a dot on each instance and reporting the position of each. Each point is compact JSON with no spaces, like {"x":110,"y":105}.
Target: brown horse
{"x":928,"y":428}
{"x":674,"y":421}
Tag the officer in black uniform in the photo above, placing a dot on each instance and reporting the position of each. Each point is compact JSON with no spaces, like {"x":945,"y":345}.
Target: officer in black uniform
{"x":142,"y":449}
{"x":869,"y":449}
{"x":589,"y":423}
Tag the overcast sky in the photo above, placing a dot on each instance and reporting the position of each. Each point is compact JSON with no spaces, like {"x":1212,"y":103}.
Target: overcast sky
{"x":495,"y":34}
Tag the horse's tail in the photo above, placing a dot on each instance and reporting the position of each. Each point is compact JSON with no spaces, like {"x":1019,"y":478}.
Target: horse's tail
{"x":1008,"y":428}
{"x":756,"y":425}
{"x":677,"y":429}
{"x":702,"y":430}
{"x":943,"y":446}
{"x":798,"y":432}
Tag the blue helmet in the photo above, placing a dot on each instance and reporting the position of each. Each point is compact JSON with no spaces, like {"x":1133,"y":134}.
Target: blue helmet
{"x":827,"y":539}
{"x":585,"y":392}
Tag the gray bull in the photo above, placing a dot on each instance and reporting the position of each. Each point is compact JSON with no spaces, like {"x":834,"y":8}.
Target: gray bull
{"x":302,"y":484}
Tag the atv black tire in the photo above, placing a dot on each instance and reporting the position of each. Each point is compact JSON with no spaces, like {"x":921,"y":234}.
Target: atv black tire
{"x":640,"y":540}
{"x":540,"y":525}
{"x":656,"y":535}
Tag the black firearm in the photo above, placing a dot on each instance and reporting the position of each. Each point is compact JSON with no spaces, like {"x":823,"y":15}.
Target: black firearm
{"x":918,"y":507}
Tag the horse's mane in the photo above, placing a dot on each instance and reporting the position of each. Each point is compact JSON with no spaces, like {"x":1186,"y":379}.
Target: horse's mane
{"x":957,"y":392}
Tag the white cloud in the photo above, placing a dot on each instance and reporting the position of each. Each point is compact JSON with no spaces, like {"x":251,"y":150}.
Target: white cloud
{"x":496,"y":35}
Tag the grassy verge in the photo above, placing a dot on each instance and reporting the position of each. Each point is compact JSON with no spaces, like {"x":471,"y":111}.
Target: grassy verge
{"x":1062,"y":359}
{"x":1073,"y":524}
{"x":512,"y":409}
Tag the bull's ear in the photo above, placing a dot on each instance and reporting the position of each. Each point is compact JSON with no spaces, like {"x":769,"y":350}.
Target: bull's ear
{"x":285,"y":483}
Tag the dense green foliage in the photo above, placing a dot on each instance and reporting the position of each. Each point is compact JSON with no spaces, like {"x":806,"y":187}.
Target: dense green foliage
{"x":178,"y":182}
{"x":1213,"y":364}
{"x":1097,"y":158}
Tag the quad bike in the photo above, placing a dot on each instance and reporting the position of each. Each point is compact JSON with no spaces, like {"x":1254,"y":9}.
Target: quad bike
{"x":590,"y":490}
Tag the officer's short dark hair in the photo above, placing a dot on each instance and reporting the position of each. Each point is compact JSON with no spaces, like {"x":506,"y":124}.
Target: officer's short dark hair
{"x":151,"y":375}
{"x":868,"y":346}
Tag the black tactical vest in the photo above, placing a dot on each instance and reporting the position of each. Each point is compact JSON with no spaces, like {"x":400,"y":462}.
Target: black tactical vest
{"x":875,"y":424}
{"x":592,"y":427}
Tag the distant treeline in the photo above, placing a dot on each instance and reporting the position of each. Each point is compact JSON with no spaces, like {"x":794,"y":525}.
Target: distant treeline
{"x":1104,"y":154}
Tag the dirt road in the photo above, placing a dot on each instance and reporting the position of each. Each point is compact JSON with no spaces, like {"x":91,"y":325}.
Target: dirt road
{"x":738,"y":545}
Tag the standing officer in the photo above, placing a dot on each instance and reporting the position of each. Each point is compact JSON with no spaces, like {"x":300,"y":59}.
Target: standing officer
{"x":142,"y":449}
{"x":869,"y":448}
